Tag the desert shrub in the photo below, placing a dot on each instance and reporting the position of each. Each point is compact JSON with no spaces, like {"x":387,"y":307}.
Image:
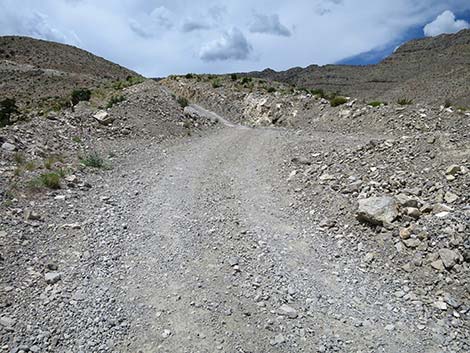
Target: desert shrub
{"x":182,"y":101}
{"x":447,"y":103}
{"x":115,"y":100}
{"x":80,"y":95}
{"x":216,"y":83}
{"x":19,"y":158}
{"x":93,"y":160}
{"x":189,"y":76}
{"x":405,"y":101}
{"x":8,"y":107}
{"x":375,"y":104}
{"x":271,"y":90}
{"x":128,"y":82}
{"x":337,"y":101}
{"x":318,"y":92}
{"x":234,"y":77}
{"x":245,"y":80}
{"x":49,"y":180}
{"x":49,"y":161}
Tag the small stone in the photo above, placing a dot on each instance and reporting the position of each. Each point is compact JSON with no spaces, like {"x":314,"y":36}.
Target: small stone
{"x":405,"y":233}
{"x":288,"y":311}
{"x":440,"y":305}
{"x":103,"y":117}
{"x":166,"y":333}
{"x":6,"y":146}
{"x":279,"y":339}
{"x":72,"y":226}
{"x":450,"y":197}
{"x":6,"y":321}
{"x":377,"y":210}
{"x":453,"y":169}
{"x":438,"y":265}
{"x":369,"y":257}
{"x":449,"y":258}
{"x":390,"y":327}
{"x":34,"y":349}
{"x":30,"y":215}
{"x":412,"y":243}
{"x":232,"y":261}
{"x":412,"y":212}
{"x":52,"y":277}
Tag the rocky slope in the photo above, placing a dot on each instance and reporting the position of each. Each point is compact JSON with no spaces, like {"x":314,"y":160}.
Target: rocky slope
{"x":32,"y":69}
{"x":429,"y":70}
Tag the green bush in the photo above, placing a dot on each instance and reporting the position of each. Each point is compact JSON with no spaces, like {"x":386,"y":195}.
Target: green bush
{"x":182,"y":101}
{"x":318,"y":92}
{"x":337,"y":101}
{"x":50,"y":180}
{"x":405,"y":101}
{"x":245,"y":80}
{"x":80,"y":95}
{"x":447,"y":103}
{"x":130,"y":81}
{"x":216,"y":83}
{"x":8,"y":107}
{"x":234,"y":77}
{"x":115,"y":100}
{"x":189,"y":76}
{"x":271,"y":90}
{"x":375,"y":104}
{"x":93,"y":160}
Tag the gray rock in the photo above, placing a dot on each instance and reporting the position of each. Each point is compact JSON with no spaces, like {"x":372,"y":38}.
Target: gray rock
{"x":288,"y":311}
{"x":449,"y":258}
{"x":453,"y":169}
{"x":6,"y":321}
{"x":52,"y":277}
{"x":377,"y":210}
{"x":103,"y":117}
{"x":8,"y":147}
{"x":279,"y":339}
{"x":450,"y":197}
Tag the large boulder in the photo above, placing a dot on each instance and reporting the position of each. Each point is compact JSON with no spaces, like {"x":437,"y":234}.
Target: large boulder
{"x":377,"y":210}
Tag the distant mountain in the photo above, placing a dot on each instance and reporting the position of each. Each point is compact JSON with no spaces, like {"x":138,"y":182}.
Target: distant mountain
{"x":32,"y":69}
{"x":429,"y":70}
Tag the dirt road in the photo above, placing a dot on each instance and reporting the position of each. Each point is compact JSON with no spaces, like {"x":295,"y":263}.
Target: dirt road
{"x":223,"y":261}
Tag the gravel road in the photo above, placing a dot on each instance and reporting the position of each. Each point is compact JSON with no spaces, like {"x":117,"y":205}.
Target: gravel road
{"x":200,"y":245}
{"x":220,"y":259}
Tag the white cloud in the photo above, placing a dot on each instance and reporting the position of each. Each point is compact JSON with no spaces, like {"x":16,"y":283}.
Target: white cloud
{"x":153,"y":24}
{"x":162,"y":37}
{"x":269,"y":25}
{"x":231,"y":46}
{"x":445,"y":23}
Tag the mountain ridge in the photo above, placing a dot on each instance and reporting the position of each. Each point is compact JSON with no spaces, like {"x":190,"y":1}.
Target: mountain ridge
{"x":427,"y":70}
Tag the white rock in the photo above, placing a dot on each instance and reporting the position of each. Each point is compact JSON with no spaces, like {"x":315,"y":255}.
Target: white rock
{"x":52,"y":277}
{"x":8,"y":147}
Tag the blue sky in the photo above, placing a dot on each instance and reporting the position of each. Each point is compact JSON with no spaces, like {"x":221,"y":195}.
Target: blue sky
{"x":162,"y":37}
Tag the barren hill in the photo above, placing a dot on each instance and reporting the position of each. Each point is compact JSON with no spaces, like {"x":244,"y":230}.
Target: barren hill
{"x":32,"y":69}
{"x":429,"y":70}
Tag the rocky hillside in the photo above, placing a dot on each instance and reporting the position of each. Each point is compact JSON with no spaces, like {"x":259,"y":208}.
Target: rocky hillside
{"x":430,"y":70}
{"x":32,"y":70}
